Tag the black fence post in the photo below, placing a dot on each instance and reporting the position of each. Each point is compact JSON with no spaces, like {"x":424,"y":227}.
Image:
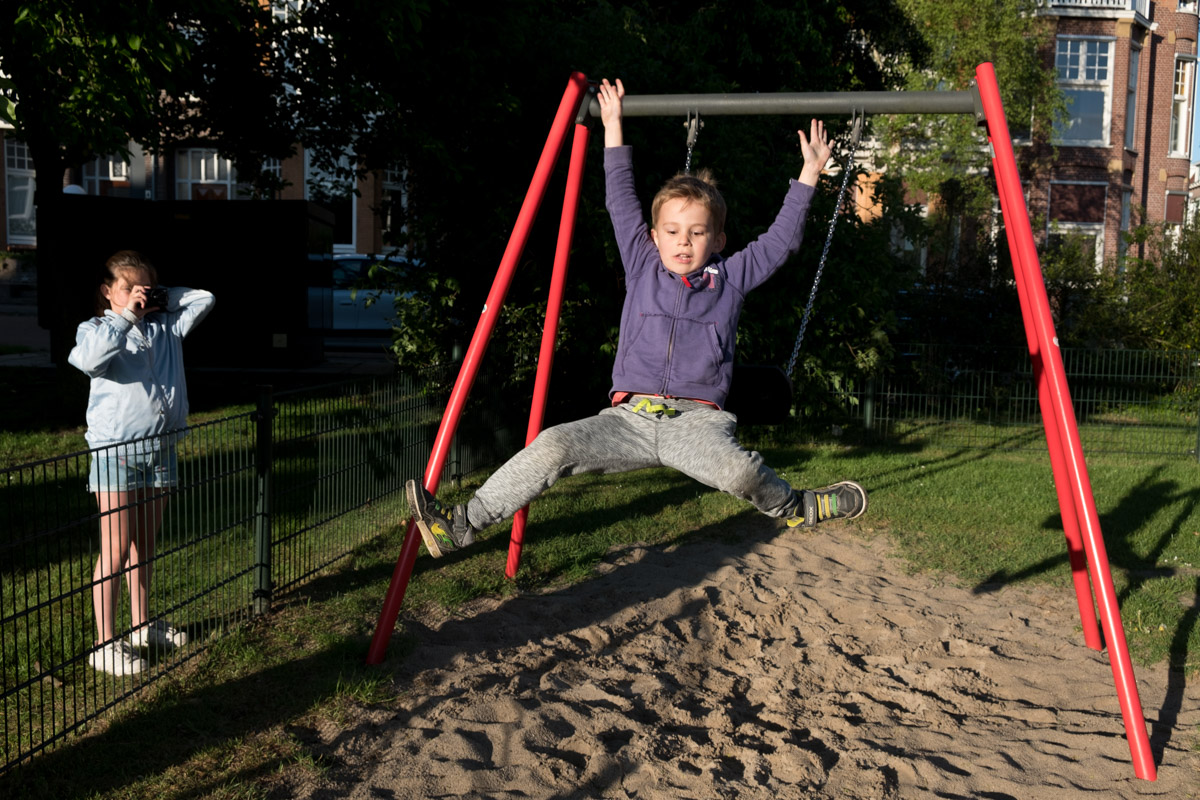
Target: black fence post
{"x":869,"y":406}
{"x":264,"y":418}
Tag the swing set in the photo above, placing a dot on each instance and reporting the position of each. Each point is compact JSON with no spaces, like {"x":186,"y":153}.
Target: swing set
{"x":1085,"y":544}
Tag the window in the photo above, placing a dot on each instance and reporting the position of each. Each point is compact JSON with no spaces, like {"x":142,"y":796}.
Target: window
{"x":334,"y":191}
{"x":1131,"y":93}
{"x":1126,"y":219}
{"x":200,"y":174}
{"x":1077,"y":211}
{"x":1176,"y":210}
{"x":1085,"y":77}
{"x":105,"y":175}
{"x":20,"y":183}
{"x":395,"y":204}
{"x":1181,"y":106}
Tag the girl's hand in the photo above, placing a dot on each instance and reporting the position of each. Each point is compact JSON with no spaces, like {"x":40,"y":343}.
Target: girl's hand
{"x":137,"y":301}
{"x":610,"y":98}
{"x":816,"y":151}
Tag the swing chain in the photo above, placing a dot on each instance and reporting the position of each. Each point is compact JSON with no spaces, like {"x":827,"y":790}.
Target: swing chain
{"x":693,"y":125}
{"x":856,"y":132}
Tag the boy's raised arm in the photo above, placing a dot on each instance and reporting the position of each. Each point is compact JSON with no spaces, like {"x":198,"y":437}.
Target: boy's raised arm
{"x":610,"y":112}
{"x":816,"y":151}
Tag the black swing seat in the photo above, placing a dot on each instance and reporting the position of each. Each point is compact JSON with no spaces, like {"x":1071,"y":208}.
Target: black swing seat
{"x":760,"y":394}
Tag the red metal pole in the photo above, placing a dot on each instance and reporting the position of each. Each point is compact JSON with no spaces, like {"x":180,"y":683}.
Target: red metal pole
{"x":1110,"y":616}
{"x":558,"y":282}
{"x":567,"y":108}
{"x":1054,"y":446}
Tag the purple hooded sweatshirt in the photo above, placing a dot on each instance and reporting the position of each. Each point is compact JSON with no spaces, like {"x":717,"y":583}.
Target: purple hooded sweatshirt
{"x":678,"y":336}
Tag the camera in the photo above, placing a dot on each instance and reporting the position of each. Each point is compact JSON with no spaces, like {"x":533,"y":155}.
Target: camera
{"x":157,"y":298}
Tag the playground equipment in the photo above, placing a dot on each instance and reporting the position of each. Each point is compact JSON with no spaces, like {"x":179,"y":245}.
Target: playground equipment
{"x":1085,"y":544}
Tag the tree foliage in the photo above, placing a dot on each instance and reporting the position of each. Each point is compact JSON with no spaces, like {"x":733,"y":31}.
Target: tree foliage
{"x":1140,"y":303}
{"x":946,"y":156}
{"x":470,"y":158}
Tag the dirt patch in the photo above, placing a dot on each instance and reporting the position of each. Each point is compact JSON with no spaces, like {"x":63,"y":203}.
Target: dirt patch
{"x":787,"y":665}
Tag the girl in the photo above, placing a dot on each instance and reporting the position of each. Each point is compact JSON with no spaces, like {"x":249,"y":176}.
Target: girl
{"x":132,"y":351}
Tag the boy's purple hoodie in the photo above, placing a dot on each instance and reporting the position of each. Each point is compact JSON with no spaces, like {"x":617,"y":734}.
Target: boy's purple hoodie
{"x":678,"y":333}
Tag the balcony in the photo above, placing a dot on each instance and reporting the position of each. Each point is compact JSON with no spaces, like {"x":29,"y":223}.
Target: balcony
{"x":1110,"y":9}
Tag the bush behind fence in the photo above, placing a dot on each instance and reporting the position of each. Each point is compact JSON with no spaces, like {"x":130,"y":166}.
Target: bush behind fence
{"x":1126,"y":401}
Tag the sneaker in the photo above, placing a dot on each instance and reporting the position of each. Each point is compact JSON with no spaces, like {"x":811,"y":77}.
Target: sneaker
{"x":117,"y":658}
{"x":160,"y":634}
{"x":845,"y":500}
{"x":442,"y":534}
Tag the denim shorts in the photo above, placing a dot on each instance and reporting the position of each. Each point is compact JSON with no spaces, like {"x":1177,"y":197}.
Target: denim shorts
{"x":123,"y":468}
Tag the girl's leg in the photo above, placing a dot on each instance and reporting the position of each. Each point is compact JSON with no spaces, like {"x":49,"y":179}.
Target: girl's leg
{"x":146,"y":519}
{"x":115,"y":525}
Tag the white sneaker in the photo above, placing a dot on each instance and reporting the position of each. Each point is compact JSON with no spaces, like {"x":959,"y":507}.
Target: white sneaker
{"x":117,"y":658}
{"x":158,"y":633}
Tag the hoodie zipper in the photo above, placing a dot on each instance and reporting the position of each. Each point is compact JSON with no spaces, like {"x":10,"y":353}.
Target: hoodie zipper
{"x":671,"y":339}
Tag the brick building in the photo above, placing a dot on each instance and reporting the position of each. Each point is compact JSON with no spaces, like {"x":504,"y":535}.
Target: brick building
{"x":194,"y":172}
{"x":1127,"y":68}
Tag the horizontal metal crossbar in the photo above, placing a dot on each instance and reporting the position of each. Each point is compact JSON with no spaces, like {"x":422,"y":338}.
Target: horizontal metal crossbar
{"x":819,"y":103}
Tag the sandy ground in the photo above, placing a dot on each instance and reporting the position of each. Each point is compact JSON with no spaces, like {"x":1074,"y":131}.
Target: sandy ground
{"x":788,"y":665}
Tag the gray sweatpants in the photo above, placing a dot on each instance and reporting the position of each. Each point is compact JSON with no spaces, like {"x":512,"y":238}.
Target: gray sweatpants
{"x":697,"y":440}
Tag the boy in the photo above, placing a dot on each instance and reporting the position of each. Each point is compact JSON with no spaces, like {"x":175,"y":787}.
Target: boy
{"x":674,"y":358}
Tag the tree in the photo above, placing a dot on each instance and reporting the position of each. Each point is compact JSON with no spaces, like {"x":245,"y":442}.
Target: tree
{"x":946,"y":156}
{"x":478,"y":107}
{"x":83,"y":80}
{"x":86,"y":77}
{"x":1160,"y":293}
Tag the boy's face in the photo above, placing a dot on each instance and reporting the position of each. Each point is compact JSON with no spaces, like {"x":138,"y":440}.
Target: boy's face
{"x":684,"y":236}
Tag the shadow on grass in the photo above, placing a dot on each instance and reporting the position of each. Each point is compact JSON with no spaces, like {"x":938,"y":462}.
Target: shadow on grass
{"x":181,"y":725}
{"x":1119,"y":526}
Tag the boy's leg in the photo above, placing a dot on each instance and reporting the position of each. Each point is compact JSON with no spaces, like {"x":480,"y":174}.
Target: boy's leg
{"x":611,"y":441}
{"x":700,"y":443}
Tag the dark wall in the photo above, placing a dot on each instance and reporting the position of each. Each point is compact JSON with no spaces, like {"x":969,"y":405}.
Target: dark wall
{"x":252,"y":255}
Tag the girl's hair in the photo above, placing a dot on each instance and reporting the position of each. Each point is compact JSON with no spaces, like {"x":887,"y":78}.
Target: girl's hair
{"x":123,"y":261}
{"x":699,"y":188}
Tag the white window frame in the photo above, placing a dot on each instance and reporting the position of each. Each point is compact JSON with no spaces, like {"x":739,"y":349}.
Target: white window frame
{"x":213,"y":171}
{"x":112,"y":168}
{"x":19,"y":189}
{"x":1182,"y":91}
{"x":1073,"y":67}
{"x":394,"y":183}
{"x":1131,"y":96}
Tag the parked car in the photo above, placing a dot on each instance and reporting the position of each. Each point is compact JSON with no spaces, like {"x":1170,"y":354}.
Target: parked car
{"x":346,"y":298}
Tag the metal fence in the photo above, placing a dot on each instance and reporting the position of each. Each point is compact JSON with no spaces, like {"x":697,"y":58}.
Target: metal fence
{"x":1126,"y":401}
{"x":267,"y":498}
{"x":264,"y":500}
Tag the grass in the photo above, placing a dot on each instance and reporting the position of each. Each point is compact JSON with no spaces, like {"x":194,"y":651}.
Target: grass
{"x":334,"y":468}
{"x":242,"y":720}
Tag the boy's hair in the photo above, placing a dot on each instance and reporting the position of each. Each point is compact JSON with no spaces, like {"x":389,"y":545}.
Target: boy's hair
{"x":699,"y":188}
{"x":122,"y":261}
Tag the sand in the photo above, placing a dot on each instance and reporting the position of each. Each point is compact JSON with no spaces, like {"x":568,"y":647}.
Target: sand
{"x":785,"y":664}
